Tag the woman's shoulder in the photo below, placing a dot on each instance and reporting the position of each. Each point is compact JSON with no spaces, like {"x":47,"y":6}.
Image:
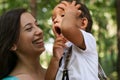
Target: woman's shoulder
{"x":10,"y":78}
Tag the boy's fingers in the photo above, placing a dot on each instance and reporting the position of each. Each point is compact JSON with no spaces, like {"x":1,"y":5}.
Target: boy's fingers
{"x":78,"y":6}
{"x":73,"y":3}
{"x":80,"y":11}
{"x":65,"y":3}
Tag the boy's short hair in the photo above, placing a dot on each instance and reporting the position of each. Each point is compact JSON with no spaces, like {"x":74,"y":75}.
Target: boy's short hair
{"x":85,"y":13}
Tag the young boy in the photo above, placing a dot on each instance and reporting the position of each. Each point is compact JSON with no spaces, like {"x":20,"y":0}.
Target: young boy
{"x":75,"y":55}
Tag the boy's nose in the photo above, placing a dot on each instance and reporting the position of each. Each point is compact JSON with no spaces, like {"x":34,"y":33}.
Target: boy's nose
{"x":56,"y":20}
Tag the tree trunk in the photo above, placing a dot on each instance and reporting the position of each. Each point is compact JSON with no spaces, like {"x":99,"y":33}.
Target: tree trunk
{"x":118,"y":36}
{"x":33,"y":6}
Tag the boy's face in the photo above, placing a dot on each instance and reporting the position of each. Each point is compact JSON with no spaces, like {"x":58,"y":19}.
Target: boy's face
{"x":57,"y":16}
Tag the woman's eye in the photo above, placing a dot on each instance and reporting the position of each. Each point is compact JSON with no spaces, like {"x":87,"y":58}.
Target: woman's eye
{"x":37,"y":24}
{"x":29,"y":29}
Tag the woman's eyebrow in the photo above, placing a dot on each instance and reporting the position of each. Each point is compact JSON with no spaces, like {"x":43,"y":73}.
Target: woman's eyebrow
{"x":27,"y":25}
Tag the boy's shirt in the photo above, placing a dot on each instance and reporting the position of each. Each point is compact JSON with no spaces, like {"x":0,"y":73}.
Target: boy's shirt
{"x":83,"y":64}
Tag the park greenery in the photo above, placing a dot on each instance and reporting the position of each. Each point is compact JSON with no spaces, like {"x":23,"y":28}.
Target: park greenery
{"x":104,"y":28}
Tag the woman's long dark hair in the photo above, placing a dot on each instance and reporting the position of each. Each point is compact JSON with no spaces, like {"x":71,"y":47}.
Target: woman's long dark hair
{"x":85,"y":13}
{"x":9,"y":35}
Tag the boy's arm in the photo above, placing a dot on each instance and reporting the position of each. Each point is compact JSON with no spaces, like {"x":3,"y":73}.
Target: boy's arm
{"x":52,"y":69}
{"x":72,"y":24}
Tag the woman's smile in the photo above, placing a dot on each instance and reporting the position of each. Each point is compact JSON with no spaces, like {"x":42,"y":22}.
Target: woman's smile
{"x":38,"y":42}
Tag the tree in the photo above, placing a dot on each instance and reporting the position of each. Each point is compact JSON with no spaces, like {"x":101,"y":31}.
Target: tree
{"x":118,"y":36}
{"x":33,"y":7}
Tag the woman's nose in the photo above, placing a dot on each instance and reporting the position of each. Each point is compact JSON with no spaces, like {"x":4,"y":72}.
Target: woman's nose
{"x":38,"y":30}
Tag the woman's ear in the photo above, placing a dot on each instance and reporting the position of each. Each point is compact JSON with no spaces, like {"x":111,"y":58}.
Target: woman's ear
{"x":84,"y":23}
{"x":14,"y":47}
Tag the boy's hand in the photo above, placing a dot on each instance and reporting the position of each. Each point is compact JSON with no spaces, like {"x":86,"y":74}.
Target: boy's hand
{"x":71,"y":8}
{"x":58,"y":47}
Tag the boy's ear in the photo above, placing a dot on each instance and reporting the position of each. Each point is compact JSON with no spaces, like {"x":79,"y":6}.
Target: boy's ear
{"x":14,"y":47}
{"x":84,"y":23}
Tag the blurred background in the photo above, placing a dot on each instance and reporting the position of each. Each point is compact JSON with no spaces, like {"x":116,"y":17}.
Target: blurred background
{"x":106,"y":28}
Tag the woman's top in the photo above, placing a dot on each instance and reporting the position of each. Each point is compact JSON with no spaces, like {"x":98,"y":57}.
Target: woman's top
{"x":10,"y":78}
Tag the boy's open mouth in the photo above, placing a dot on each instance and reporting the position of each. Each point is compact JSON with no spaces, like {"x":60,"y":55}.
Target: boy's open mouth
{"x":57,"y":29}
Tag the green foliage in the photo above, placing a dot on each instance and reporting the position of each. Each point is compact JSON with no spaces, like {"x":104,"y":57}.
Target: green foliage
{"x":11,"y":4}
{"x":103,"y":14}
{"x":104,"y":28}
{"x":45,"y":59}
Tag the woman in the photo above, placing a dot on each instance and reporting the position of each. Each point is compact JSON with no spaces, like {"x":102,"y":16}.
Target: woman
{"x":21,"y":44}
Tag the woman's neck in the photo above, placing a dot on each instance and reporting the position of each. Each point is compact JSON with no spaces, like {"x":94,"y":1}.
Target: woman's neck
{"x":29,"y":67}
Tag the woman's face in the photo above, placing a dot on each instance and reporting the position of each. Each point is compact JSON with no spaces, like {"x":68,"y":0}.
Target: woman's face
{"x":31,"y":36}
